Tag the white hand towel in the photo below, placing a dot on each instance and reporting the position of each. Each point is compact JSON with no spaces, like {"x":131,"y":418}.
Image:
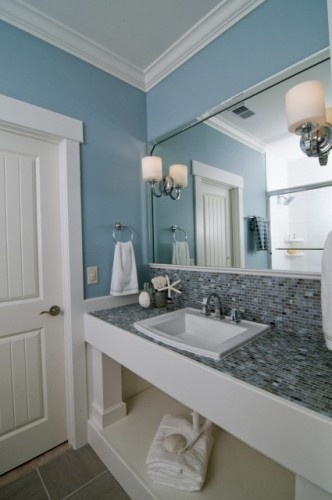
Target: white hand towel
{"x":181,"y":255}
{"x":326,"y":290}
{"x":124,"y":272}
{"x":184,"y":471}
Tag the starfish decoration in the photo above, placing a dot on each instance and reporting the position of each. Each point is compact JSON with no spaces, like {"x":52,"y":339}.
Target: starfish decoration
{"x":170,"y":286}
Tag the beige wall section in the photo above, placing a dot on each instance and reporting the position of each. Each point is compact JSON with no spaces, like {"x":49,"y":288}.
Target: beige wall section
{"x":132,"y":384}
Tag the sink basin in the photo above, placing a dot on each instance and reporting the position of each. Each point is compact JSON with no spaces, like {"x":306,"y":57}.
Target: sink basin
{"x":189,"y":330}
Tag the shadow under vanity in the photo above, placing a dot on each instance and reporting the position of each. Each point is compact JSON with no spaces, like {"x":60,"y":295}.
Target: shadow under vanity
{"x":273,"y":394}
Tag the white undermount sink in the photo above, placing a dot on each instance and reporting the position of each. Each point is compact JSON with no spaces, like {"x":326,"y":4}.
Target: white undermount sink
{"x":189,"y":330}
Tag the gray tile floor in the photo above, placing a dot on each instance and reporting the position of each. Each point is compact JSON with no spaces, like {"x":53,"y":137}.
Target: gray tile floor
{"x":76,"y":475}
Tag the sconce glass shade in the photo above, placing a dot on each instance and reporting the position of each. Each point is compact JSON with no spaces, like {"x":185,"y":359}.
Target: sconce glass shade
{"x":152,"y":169}
{"x":305,"y":103}
{"x":169,"y":185}
{"x":329,"y":115}
{"x":179,"y":174}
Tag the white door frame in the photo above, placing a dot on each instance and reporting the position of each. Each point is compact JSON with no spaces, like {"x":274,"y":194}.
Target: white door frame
{"x":18,"y":116}
{"x":227,"y":179}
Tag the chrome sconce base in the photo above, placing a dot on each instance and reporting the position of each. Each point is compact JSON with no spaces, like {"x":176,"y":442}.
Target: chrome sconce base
{"x":316,"y":140}
{"x":165,"y":187}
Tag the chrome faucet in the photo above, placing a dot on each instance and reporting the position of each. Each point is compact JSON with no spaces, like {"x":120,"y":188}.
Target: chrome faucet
{"x":206,"y":309}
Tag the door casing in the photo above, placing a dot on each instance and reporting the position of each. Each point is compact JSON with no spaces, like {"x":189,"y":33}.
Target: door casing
{"x":229,"y":180}
{"x":18,"y":116}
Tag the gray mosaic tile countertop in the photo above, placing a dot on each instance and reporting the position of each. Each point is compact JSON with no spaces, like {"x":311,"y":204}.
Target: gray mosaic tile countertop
{"x":295,"y":366}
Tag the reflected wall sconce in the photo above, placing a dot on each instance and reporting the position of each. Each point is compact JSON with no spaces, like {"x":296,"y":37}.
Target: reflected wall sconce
{"x":308,"y":117}
{"x":168,"y":185}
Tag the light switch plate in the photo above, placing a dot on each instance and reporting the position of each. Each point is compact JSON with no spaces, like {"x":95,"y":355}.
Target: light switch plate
{"x":92,"y":275}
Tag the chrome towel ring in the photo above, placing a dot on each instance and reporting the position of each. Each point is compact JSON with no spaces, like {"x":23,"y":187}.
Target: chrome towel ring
{"x":175,"y":228}
{"x":118,"y":226}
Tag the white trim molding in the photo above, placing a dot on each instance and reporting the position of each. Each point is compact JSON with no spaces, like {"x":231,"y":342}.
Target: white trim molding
{"x":217,"y":174}
{"x":236,"y":134}
{"x":235,"y":183}
{"x":22,"y":115}
{"x":68,"y":133}
{"x":218,"y":20}
{"x":108,"y":302}
{"x":235,"y":270}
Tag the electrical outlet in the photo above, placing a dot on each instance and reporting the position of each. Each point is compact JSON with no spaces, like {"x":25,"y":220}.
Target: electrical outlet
{"x":92,"y":275}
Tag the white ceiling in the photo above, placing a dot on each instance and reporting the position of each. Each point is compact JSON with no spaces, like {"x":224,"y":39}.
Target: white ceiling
{"x":138,"y":41}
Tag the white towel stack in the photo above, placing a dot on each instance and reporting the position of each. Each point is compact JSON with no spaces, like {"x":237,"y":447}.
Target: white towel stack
{"x":326,"y":291}
{"x":184,"y":471}
{"x":181,"y":255}
{"x":124,"y":272}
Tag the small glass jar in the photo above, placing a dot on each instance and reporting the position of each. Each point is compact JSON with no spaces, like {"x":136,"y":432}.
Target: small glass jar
{"x":160,"y":299}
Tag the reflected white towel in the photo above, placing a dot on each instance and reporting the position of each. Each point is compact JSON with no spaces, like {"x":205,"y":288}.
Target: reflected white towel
{"x":326,"y":290}
{"x":184,"y":471}
{"x":181,"y":255}
{"x":124,"y":272}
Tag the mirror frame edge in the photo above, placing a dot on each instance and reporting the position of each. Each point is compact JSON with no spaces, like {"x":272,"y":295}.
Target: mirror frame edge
{"x":235,"y":270}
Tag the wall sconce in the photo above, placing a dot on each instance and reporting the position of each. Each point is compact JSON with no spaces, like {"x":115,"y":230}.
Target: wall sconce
{"x":308,"y":117}
{"x":168,"y":185}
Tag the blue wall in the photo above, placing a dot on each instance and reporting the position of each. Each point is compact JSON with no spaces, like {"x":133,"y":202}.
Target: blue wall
{"x":271,"y":38}
{"x":206,"y":145}
{"x":114,"y":117}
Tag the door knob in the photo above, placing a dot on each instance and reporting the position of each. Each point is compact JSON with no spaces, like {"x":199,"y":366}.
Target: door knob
{"x":53,"y":311}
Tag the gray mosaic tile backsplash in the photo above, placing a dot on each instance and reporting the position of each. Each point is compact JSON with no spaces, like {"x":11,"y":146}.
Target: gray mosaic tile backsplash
{"x":289,"y":303}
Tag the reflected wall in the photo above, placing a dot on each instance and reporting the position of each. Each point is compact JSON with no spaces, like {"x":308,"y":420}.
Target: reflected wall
{"x":300,"y":222}
{"x":204,"y":144}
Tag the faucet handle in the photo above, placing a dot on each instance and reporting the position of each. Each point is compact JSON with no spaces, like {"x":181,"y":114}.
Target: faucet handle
{"x":204,"y":309}
{"x":235,"y":316}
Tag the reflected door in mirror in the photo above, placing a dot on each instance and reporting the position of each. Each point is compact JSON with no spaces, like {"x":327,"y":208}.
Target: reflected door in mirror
{"x":214,"y":248}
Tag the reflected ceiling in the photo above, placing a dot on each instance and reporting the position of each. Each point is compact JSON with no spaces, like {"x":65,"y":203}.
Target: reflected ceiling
{"x":263,"y":121}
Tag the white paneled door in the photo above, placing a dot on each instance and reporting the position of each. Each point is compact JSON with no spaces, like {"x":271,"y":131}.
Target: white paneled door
{"x":215,"y":248}
{"x":32,"y":360}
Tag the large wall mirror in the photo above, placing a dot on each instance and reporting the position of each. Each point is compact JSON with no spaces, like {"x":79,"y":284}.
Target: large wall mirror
{"x":247,"y":174}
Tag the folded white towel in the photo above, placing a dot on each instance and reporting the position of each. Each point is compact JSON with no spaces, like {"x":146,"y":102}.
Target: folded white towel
{"x":181,"y":255}
{"x":326,"y":290}
{"x":184,"y":471}
{"x":124,"y":272}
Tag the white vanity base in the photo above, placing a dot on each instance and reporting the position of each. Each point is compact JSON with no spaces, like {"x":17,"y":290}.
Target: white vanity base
{"x":285,"y":433}
{"x":234,"y":471}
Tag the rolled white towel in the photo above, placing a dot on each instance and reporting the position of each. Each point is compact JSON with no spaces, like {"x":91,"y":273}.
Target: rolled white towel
{"x":184,"y":471}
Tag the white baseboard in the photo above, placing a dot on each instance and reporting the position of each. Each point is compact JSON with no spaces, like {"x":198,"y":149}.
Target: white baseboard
{"x":108,"y":301}
{"x":104,"y":418}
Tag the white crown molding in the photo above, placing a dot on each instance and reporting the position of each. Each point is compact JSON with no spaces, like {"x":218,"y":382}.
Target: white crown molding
{"x":222,"y":17}
{"x":43,"y":27}
{"x":227,"y":13}
{"x":236,"y":134}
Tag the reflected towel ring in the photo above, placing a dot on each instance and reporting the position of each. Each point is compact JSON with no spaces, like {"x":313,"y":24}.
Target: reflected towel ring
{"x":118,"y":226}
{"x":178,"y":228}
